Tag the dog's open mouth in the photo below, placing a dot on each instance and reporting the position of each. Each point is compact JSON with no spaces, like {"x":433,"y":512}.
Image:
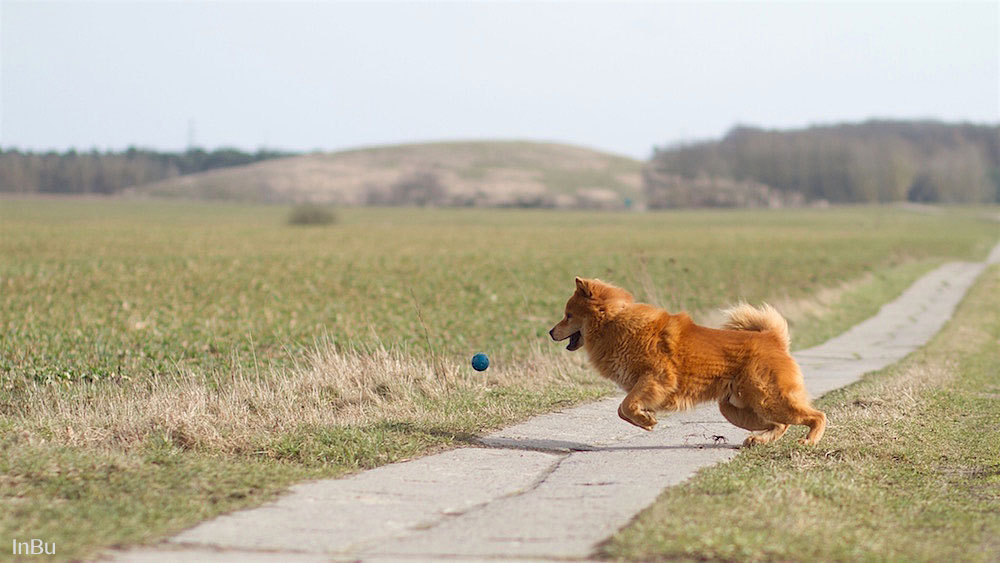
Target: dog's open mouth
{"x":575,"y":341}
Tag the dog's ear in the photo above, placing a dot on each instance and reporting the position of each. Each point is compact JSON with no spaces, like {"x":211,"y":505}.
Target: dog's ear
{"x":583,"y":288}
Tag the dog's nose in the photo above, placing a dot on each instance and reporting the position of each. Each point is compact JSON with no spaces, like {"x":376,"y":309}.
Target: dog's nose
{"x":552,"y":335}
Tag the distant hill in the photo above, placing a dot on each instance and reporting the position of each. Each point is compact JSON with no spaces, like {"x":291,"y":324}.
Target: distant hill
{"x":874,"y":161}
{"x":475,"y":173}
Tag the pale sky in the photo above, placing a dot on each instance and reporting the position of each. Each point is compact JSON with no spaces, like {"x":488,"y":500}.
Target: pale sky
{"x":617,"y":76}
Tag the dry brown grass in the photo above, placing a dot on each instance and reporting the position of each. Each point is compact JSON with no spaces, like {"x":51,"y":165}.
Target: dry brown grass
{"x":236,"y":412}
{"x":798,"y":310}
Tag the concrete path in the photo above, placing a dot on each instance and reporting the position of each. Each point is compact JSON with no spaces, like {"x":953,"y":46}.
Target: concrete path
{"x":550,"y":488}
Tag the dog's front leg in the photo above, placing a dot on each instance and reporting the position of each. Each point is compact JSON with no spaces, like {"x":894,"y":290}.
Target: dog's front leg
{"x":640,"y":405}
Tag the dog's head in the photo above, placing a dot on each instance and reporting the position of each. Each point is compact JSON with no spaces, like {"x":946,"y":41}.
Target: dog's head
{"x":591,"y":299}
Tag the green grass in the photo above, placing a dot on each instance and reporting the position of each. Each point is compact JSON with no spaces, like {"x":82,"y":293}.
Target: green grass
{"x":856,"y":301}
{"x":104,"y":299}
{"x":81,"y":500}
{"x":909,"y":469}
{"x":94,"y":289}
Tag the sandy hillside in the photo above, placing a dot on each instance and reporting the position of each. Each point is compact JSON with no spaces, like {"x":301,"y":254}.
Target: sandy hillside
{"x":486,"y":173}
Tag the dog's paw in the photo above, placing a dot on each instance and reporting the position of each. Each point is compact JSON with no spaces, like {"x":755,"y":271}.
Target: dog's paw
{"x":641,"y":419}
{"x":757,"y":440}
{"x":645,"y":421}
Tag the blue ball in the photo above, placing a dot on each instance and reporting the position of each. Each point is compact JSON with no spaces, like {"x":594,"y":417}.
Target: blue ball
{"x":480,"y":362}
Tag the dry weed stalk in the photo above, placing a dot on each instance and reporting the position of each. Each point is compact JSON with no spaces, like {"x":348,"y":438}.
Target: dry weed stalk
{"x":235,"y":412}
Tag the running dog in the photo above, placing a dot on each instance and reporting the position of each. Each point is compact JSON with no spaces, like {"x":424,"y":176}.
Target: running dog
{"x":667,"y":362}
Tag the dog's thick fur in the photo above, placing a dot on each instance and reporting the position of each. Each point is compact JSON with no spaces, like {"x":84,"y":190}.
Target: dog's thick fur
{"x":667,"y":362}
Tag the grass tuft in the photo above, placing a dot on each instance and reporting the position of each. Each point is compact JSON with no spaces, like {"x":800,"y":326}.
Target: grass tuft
{"x":312,"y":214}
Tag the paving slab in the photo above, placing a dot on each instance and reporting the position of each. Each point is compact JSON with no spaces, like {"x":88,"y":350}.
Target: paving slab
{"x":552,"y":487}
{"x":336,"y":515}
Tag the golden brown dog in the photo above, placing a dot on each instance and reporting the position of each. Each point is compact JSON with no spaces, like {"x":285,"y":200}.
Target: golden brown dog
{"x":666,"y":362}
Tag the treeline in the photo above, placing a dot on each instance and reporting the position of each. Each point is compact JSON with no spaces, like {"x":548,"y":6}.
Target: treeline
{"x":97,"y":172}
{"x":870,"y":162}
{"x":874,"y":161}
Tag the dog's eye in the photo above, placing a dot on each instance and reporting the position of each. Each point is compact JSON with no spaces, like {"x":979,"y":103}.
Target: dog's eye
{"x":568,"y":316}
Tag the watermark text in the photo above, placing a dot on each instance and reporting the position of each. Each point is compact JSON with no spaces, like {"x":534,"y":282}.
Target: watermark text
{"x":34,"y":547}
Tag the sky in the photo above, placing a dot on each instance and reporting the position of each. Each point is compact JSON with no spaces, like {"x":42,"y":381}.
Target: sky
{"x":622,"y":77}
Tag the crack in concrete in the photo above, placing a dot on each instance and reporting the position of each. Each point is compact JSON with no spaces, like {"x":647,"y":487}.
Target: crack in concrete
{"x":530,"y":445}
{"x":445,"y":517}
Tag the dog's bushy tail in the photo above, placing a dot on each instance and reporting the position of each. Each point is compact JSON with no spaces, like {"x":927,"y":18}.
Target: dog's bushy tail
{"x":761,"y":319}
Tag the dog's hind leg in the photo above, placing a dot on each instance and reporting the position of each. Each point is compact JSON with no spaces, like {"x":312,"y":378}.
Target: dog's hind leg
{"x":748,"y":419}
{"x":797,"y":410}
{"x":776,"y":431}
{"x":743,"y":417}
{"x":815,"y":420}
